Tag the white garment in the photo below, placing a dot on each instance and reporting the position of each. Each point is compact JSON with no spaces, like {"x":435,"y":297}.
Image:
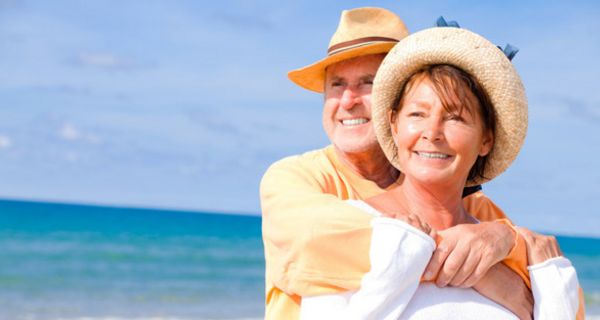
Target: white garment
{"x":399,"y":254}
{"x":555,"y":289}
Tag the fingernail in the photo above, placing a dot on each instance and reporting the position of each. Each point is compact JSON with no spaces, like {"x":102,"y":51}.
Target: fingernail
{"x":428,"y":275}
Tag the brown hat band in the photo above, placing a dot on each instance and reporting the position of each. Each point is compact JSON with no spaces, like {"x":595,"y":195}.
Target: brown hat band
{"x":342,"y":45}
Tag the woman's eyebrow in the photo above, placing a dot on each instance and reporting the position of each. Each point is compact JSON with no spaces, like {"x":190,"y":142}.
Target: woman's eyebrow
{"x":416,"y":104}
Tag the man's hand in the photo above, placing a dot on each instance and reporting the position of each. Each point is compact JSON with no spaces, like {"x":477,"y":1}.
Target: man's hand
{"x":503,"y":286}
{"x":539,"y":247}
{"x":413,"y":220}
{"x":467,"y":251}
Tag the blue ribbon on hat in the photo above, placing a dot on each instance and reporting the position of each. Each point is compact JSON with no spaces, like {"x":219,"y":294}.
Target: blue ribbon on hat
{"x":441,"y":22}
{"x":509,"y":50}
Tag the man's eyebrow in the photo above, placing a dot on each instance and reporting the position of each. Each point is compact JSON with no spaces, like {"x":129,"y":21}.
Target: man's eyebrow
{"x":367,"y":77}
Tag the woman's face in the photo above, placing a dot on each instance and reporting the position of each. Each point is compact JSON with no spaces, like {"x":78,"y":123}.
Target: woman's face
{"x":435,"y":146}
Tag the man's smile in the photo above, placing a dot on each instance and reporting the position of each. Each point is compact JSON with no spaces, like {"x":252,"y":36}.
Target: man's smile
{"x":354,"y":121}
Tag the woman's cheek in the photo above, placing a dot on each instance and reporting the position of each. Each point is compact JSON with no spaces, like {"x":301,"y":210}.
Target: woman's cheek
{"x":412,"y":127}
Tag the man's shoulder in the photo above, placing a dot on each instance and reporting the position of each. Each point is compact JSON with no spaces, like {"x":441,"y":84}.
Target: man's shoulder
{"x":310,"y":167}
{"x":315,"y":166}
{"x":311,"y":159}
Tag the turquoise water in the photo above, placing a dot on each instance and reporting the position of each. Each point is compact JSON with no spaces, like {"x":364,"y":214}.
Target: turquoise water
{"x":70,"y":262}
{"x":84,"y":262}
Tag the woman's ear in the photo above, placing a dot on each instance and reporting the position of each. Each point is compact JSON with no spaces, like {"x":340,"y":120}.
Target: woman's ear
{"x":487,"y":143}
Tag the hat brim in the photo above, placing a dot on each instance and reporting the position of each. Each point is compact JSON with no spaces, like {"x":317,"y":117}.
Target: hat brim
{"x":476,"y":56}
{"x":312,"y":77}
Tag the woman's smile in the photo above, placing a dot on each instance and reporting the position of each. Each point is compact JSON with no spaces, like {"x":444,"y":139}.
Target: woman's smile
{"x":432,"y":155}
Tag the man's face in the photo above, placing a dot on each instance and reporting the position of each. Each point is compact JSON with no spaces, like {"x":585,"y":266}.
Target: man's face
{"x":347,"y":109}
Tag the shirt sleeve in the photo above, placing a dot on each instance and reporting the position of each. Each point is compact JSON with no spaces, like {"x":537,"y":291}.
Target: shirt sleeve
{"x":484,"y":209}
{"x":399,"y":253}
{"x":555,"y":289}
{"x":314,"y":242}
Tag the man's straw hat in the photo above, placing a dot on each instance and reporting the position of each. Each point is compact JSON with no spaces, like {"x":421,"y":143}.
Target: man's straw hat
{"x":473,"y":54}
{"x":361,"y":32}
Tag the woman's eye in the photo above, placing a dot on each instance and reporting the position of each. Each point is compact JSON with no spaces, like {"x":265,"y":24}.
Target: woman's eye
{"x":455,"y":117}
{"x":415,"y":114}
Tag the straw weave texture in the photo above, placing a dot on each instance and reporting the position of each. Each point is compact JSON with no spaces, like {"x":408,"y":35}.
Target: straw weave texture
{"x":473,"y":54}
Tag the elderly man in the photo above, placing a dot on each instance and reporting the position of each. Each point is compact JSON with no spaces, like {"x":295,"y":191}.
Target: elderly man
{"x":317,"y":244}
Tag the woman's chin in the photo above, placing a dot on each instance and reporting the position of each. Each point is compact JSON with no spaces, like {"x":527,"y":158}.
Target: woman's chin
{"x":434,"y":180}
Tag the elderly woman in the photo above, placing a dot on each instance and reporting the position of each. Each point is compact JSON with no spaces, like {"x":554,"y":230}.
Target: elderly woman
{"x":450,"y":111}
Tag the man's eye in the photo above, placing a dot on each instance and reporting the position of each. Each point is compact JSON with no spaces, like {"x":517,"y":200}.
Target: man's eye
{"x":336,"y":84}
{"x":366,"y":81}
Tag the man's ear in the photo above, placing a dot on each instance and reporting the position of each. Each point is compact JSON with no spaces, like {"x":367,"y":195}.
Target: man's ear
{"x":487,"y":143}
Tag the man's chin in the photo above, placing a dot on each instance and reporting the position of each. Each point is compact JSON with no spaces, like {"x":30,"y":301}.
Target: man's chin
{"x":357,"y":148}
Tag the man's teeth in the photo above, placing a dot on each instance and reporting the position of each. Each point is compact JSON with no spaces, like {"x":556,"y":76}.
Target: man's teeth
{"x":433,"y":155}
{"x":354,"y":122}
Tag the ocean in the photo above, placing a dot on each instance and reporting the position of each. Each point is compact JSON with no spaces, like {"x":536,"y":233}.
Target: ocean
{"x":63,"y":261}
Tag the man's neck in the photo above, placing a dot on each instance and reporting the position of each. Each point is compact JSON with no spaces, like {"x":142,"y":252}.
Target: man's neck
{"x":371,"y":165}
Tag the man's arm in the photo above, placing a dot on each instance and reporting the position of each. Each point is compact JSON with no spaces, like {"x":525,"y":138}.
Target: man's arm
{"x":506,"y":283}
{"x":468,"y":256}
{"x":314,"y":242}
{"x":507,"y":287}
{"x":399,"y":252}
{"x":482,"y":208}
{"x":502,"y":285}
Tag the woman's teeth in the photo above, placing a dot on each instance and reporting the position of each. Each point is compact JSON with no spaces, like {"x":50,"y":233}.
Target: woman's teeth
{"x":432,"y":155}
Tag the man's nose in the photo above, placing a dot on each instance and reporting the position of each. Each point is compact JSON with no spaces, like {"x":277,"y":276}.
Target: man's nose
{"x":349,"y":98}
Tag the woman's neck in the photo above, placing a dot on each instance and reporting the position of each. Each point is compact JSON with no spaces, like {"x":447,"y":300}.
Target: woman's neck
{"x":440,"y":206}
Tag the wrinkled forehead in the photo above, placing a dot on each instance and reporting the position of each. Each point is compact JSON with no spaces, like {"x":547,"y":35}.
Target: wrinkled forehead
{"x":356,"y":67}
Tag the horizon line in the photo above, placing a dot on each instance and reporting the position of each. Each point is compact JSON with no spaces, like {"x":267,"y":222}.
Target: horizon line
{"x":127,"y":206}
{"x":201,"y":211}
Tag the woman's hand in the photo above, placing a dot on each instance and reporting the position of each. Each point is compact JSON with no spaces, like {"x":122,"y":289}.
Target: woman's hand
{"x":467,"y":251}
{"x":539,"y":247}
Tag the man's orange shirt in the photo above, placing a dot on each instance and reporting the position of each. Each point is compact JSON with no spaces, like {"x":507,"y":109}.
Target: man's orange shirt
{"x":315,"y":243}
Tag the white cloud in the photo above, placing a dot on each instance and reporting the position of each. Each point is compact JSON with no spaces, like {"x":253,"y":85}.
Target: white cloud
{"x":5,"y":142}
{"x":69,"y":132}
{"x":102,"y":60}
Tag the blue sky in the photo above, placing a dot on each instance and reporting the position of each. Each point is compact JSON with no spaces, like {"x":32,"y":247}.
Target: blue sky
{"x":184,"y":104}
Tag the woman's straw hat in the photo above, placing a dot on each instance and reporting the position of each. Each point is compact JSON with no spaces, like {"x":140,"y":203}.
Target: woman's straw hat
{"x":473,"y":54}
{"x":361,"y":32}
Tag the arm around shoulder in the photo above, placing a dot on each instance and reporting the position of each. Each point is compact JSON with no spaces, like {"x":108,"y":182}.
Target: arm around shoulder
{"x":314,"y":242}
